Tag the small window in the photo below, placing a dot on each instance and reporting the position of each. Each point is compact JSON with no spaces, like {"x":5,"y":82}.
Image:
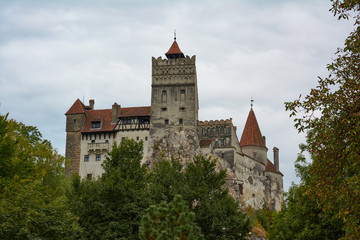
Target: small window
{"x":163,"y":109}
{"x":146,"y":138}
{"x":106,"y":141}
{"x":98,"y":157}
{"x":74,"y":122}
{"x":166,"y":121}
{"x":86,"y":158}
{"x":180,"y":121}
{"x":127,"y":121}
{"x":95,"y":124}
{"x":182,"y":91}
{"x":123,"y":138}
{"x":164,"y":96}
{"x":89,"y":176}
{"x":92,"y":141}
{"x":137,"y":138}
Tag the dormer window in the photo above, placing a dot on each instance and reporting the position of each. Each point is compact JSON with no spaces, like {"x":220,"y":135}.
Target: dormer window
{"x":95,"y":124}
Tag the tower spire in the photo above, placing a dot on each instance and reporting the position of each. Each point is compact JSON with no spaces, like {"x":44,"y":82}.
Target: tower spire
{"x":252,"y":102}
{"x":175,"y":35}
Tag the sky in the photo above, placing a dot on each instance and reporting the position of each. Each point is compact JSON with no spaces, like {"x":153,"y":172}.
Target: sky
{"x":53,"y":52}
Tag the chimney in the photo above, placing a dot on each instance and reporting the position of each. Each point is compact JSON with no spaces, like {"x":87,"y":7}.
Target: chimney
{"x":264,"y":140}
{"x":276,"y":158}
{"x":91,"y":104}
{"x":116,"y":112}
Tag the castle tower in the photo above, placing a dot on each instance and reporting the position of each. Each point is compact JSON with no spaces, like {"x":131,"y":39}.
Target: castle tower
{"x":75,"y":118}
{"x":174,"y":94}
{"x":252,"y":142}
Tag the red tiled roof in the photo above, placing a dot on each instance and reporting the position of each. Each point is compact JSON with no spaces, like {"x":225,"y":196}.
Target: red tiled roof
{"x":251,"y":135}
{"x":105,"y":117}
{"x":174,"y":49}
{"x":270,"y":168}
{"x":76,"y":108}
{"x":135,"y":111}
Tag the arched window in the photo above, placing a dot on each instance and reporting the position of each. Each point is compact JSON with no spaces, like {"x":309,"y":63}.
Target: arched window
{"x":164,"y":96}
{"x":182,"y":95}
{"x":204,"y":132}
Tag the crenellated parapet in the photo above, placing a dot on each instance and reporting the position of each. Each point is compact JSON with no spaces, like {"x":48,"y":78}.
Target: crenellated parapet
{"x":177,"y":61}
{"x":215,"y":122}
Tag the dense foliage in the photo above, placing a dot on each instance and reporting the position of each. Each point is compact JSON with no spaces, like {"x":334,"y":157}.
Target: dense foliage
{"x":171,"y":220}
{"x":302,"y":217}
{"x":216,"y":213}
{"x":330,"y":115}
{"x":111,"y":207}
{"x":32,"y":186}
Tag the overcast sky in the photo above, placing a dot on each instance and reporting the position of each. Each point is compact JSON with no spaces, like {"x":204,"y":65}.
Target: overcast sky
{"x":53,"y":52}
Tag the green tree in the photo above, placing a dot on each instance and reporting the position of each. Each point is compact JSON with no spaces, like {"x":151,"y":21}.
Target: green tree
{"x":171,"y":220}
{"x":302,"y":217}
{"x":216,"y":212}
{"x":112,"y":206}
{"x":32,"y":186}
{"x":330,"y":114}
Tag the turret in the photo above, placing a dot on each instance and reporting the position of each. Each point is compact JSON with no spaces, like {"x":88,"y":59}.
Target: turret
{"x":252,"y":141}
{"x":75,"y":118}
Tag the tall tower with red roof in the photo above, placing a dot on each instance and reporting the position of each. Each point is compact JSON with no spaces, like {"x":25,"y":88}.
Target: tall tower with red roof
{"x":75,"y":118}
{"x":174,"y":93}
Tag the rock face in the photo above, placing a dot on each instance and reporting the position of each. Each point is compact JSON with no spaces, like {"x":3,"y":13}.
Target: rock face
{"x":183,"y":145}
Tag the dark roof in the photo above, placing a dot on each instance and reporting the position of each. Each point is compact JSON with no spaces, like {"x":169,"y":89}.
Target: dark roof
{"x":252,"y":135}
{"x":76,"y":108}
{"x":174,"y":51}
{"x":271,"y":168}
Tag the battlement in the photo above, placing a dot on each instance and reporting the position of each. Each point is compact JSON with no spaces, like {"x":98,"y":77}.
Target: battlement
{"x":215,"y":122}
{"x":172,"y":62}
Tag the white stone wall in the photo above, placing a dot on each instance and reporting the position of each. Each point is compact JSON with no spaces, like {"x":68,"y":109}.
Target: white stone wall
{"x":94,"y":167}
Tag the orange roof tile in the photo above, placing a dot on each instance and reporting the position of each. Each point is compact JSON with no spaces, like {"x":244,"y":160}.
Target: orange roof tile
{"x":271,"y":168}
{"x":135,"y":111}
{"x":251,"y":135}
{"x":174,"y":51}
{"x":105,"y":117}
{"x":76,"y":108}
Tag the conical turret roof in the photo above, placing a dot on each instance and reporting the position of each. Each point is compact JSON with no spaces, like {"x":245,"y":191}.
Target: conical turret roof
{"x":77,"y":107}
{"x":174,"y":51}
{"x":252,"y":135}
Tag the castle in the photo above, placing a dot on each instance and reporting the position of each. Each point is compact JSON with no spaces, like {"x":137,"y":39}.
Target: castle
{"x":172,"y":120}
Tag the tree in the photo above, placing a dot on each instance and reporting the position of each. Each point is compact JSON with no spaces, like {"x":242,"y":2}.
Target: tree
{"x":330,"y":114}
{"x":111,"y":207}
{"x":171,"y":220}
{"x":216,"y":212}
{"x":32,"y":180}
{"x":301,"y":217}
